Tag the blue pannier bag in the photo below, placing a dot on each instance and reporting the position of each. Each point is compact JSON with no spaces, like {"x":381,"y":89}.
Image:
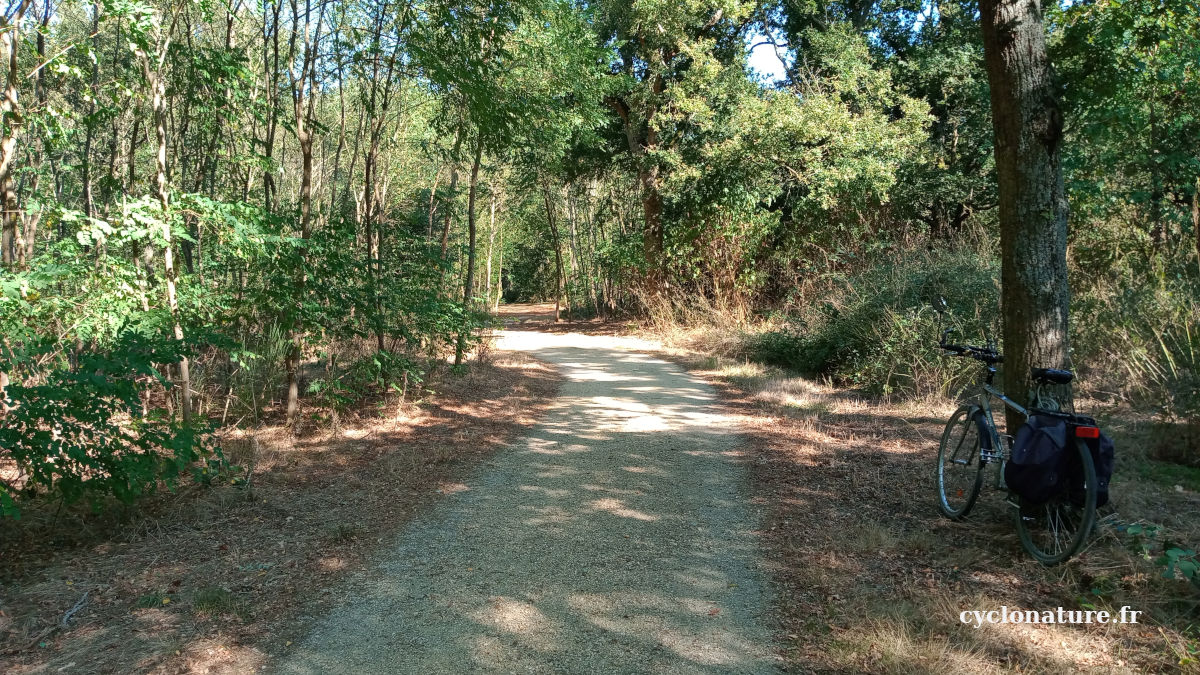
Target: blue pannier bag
{"x":1038,"y":470}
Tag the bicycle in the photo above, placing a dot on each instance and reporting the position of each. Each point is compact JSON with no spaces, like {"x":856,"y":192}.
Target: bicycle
{"x":1050,"y":532}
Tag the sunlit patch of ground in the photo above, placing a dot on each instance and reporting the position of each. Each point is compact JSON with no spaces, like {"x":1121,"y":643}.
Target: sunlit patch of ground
{"x":872,"y":579}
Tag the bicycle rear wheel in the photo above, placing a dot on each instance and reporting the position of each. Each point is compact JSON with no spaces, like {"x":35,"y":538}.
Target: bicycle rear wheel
{"x":959,"y":467}
{"x":1058,"y":529}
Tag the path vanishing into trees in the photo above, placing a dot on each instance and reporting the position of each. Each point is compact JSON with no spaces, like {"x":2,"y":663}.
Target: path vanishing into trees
{"x":616,"y":537}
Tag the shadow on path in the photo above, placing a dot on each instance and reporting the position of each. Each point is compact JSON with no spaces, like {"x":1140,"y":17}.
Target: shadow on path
{"x":614,"y":538}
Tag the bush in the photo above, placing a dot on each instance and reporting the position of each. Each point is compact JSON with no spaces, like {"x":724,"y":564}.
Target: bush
{"x":373,"y":374}
{"x":1134,"y":333}
{"x":78,"y":427}
{"x":1141,"y":341}
{"x":877,"y":329}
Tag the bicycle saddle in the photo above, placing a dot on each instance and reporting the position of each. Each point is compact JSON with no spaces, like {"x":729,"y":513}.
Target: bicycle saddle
{"x":1051,"y":376}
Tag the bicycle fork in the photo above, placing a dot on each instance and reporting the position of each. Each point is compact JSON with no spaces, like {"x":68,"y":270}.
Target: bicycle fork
{"x":999,"y":446}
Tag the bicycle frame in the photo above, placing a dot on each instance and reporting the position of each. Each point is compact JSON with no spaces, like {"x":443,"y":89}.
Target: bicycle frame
{"x":1000,"y":443}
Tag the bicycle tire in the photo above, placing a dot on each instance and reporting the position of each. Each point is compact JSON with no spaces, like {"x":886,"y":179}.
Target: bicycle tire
{"x":963,"y":426}
{"x":1042,"y":522}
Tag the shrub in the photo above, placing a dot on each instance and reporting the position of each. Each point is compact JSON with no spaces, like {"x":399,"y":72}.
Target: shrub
{"x":877,"y":329}
{"x":1141,"y":341}
{"x":79,"y":427}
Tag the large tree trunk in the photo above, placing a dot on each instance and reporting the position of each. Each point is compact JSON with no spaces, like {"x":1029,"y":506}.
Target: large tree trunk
{"x":31,"y":220}
{"x":641,"y":144}
{"x":652,"y":234}
{"x":1033,"y":206}
{"x":469,"y":282}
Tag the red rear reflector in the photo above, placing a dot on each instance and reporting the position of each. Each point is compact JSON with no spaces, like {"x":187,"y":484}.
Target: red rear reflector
{"x":1087,"y":432}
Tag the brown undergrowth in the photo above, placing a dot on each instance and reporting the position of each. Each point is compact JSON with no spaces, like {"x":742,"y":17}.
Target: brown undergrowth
{"x":870,"y":577}
{"x":212,"y":579}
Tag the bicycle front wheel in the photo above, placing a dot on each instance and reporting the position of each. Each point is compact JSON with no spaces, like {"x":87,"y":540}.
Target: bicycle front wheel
{"x":959,"y":467}
{"x":1058,"y":529}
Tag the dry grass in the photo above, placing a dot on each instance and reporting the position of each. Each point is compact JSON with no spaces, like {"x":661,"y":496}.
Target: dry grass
{"x":210,"y":580}
{"x":870,"y":578}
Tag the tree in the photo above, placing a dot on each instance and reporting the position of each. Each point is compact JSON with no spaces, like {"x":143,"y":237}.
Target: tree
{"x":666,"y":53}
{"x":1033,"y":205}
{"x":152,"y":48}
{"x":469,"y":281}
{"x":1134,"y":106}
{"x":304,"y":96}
{"x":13,"y":121}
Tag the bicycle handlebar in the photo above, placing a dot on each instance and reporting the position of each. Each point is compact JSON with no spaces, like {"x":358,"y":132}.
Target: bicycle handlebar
{"x":970,"y":351}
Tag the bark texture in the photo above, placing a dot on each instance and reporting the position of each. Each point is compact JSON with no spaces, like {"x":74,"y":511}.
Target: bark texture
{"x":1033,"y":206}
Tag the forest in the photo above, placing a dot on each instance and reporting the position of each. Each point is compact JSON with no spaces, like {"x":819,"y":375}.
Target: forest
{"x":214,"y":211}
{"x":223,"y":214}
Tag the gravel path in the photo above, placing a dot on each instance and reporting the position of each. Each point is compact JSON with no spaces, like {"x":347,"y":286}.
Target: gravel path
{"x":616,"y":538}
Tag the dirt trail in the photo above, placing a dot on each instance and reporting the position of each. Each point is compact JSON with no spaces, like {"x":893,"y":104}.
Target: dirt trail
{"x":617,"y":537}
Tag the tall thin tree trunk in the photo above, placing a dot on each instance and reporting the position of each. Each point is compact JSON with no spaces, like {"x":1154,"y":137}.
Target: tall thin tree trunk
{"x":469,"y":283}
{"x":491,"y":244}
{"x":377,"y":110}
{"x":590,"y":219}
{"x":1158,"y":228}
{"x":303,"y":103}
{"x":437,"y":176}
{"x":1196,"y":218}
{"x":558,"y":256}
{"x":572,"y":243}
{"x":10,"y":112}
{"x":152,"y":67}
{"x":270,"y":34}
{"x":1033,"y":206}
{"x":86,"y":163}
{"x":453,"y":186}
{"x":131,"y":176}
{"x":500,"y":268}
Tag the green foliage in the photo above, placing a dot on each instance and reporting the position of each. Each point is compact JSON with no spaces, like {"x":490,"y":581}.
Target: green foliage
{"x":383,"y":371}
{"x":876,"y":328}
{"x":1177,"y":562}
{"x":841,"y":199}
{"x":1135,"y":96}
{"x":215,"y":601}
{"x":1181,"y":561}
{"x":76,"y":425}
